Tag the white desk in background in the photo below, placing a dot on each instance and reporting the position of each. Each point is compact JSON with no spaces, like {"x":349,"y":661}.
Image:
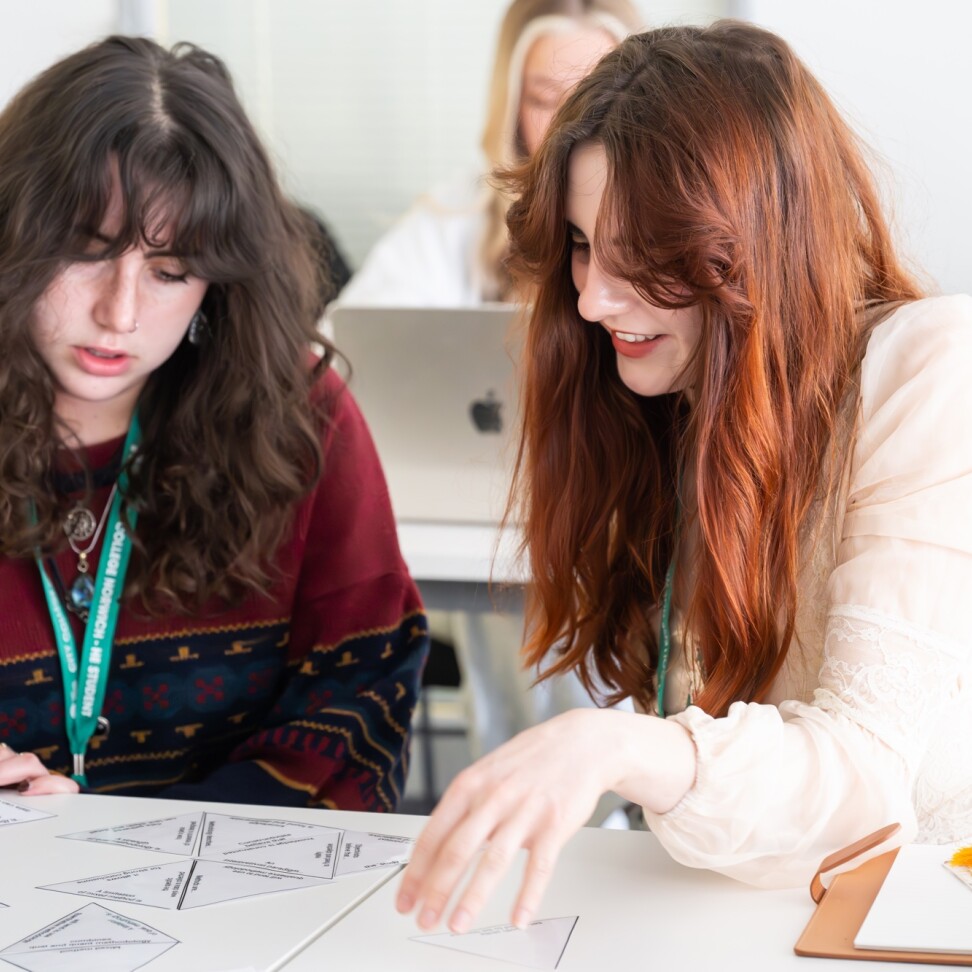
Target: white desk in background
{"x":636,"y":908}
{"x":474,"y":570}
{"x":454,"y":563}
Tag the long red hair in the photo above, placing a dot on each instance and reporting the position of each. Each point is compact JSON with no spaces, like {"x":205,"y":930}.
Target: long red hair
{"x":734,"y":184}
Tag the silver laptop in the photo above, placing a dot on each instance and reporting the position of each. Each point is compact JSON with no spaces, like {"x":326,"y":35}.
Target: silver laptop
{"x":436,"y":387}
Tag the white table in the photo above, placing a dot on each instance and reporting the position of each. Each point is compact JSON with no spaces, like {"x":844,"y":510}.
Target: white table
{"x":249,"y":933}
{"x":636,"y":907}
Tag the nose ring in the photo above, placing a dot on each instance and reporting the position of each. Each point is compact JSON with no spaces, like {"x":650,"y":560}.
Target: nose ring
{"x":134,"y":327}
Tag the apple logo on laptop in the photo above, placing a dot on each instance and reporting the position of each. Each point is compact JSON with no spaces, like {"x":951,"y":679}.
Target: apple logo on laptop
{"x":485,"y":413}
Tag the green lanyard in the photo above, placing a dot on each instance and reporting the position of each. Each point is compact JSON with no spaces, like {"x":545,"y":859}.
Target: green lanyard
{"x":85,"y":682}
{"x":665,"y":627}
{"x":665,"y":639}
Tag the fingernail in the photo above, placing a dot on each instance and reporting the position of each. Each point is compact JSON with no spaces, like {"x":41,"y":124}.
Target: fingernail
{"x":404,"y":903}
{"x":428,"y":918}
{"x":24,"y":787}
{"x":461,"y":921}
{"x":521,"y":917}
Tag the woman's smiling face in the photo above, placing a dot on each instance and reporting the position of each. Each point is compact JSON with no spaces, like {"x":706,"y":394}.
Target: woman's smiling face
{"x":653,"y":344}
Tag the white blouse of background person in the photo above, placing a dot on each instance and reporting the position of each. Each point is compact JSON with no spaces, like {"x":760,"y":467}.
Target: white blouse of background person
{"x":431,"y":256}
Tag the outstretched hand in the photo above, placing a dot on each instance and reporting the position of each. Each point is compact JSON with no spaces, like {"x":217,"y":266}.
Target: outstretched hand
{"x":535,"y":792}
{"x":31,"y":777}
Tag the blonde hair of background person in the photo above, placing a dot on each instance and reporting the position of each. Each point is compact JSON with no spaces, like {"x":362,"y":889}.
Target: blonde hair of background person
{"x":743,"y":485}
{"x":504,"y":141}
{"x":448,"y":249}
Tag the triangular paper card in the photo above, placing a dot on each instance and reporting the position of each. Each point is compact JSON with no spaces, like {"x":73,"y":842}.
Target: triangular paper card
{"x":170,"y":835}
{"x":13,"y":813}
{"x":540,"y":945}
{"x":158,"y":886}
{"x":362,"y":851}
{"x":92,"y":939}
{"x":285,"y":845}
{"x":213,"y":883}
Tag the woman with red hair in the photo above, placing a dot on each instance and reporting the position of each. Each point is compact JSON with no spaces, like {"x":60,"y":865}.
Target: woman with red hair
{"x":744,"y":480}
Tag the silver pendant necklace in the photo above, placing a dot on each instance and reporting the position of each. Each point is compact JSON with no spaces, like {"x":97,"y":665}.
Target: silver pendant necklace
{"x":80,"y":525}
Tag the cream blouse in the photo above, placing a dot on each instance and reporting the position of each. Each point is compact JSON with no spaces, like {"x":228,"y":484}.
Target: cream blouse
{"x":870,"y":720}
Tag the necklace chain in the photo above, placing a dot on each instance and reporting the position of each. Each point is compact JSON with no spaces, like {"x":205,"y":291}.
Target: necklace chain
{"x":84,"y":515}
{"x":79,"y":525}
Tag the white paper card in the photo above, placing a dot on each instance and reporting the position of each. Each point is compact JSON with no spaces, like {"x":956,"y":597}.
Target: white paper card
{"x":92,"y":939}
{"x":170,"y":835}
{"x":158,"y":886}
{"x":361,"y":851}
{"x":297,"y":848}
{"x":540,"y":945}
{"x":212,"y":882}
{"x":920,"y":907}
{"x":13,"y":813}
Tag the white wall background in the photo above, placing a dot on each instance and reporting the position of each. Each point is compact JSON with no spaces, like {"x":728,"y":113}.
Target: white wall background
{"x":902,"y":71}
{"x":366,"y":103}
{"x":36,"y":33}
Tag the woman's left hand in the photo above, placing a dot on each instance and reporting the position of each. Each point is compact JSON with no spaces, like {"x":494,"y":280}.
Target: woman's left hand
{"x":527,"y":793}
{"x":30,"y":775}
{"x":534,"y":792}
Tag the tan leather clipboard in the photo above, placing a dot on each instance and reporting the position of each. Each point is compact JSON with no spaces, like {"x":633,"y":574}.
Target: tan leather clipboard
{"x":843,"y":906}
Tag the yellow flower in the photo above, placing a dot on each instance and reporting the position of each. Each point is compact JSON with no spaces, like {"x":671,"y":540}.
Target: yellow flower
{"x":962,"y":857}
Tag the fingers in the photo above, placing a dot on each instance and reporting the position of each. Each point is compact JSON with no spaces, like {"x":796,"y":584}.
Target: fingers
{"x":496,"y":860}
{"x":48,"y":784}
{"x":525,"y":794}
{"x":493,"y":864}
{"x":30,"y":775}
{"x":455,"y":832}
{"x":19,"y":767}
{"x":452,"y":839}
{"x":539,"y":871}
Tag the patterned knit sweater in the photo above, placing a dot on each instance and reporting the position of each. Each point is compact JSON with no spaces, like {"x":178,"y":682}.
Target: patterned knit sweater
{"x":302,"y":697}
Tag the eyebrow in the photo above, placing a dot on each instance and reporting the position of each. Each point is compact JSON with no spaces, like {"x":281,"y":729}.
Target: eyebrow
{"x":152,"y":251}
{"x":575,"y":230}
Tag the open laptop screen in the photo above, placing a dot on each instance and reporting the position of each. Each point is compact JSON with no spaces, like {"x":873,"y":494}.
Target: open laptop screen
{"x":437,"y":389}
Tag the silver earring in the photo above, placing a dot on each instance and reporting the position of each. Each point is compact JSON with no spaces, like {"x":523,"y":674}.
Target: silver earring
{"x":198,"y":332}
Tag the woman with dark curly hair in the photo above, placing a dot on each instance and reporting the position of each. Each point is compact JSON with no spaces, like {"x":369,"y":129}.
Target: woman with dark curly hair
{"x":744,"y":481}
{"x":201,"y":591}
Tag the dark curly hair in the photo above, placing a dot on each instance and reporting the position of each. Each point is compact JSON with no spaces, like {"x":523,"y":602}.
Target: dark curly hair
{"x":231,"y":439}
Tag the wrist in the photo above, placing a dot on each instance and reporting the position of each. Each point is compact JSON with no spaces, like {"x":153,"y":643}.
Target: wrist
{"x":654,"y":761}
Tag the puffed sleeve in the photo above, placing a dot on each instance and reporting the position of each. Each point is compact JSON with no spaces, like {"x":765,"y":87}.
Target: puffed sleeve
{"x":888,"y":734}
{"x":358,"y":640}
